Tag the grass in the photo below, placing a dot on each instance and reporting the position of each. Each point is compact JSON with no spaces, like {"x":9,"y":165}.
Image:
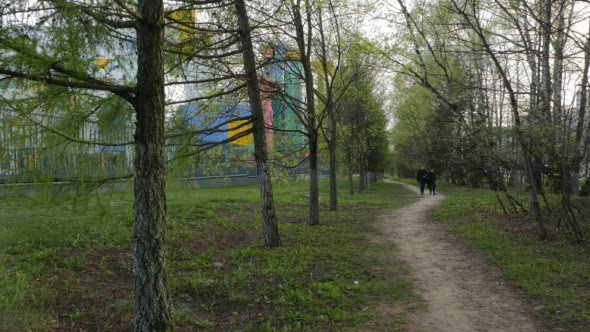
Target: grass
{"x":554,"y":275}
{"x":66,"y":265}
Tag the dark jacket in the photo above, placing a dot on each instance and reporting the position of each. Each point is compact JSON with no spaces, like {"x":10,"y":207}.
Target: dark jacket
{"x":431,"y":177}
{"x":422,"y":175}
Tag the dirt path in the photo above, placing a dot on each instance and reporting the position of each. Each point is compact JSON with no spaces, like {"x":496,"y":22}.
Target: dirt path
{"x":462,"y":292}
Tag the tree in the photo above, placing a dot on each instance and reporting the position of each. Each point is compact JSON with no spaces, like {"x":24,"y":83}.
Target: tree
{"x":30,"y":60}
{"x":481,"y":35}
{"x":61,"y":57}
{"x":329,"y":70}
{"x":314,"y":27}
{"x":270,"y":228}
{"x":302,"y":14}
{"x":362,"y":123}
{"x":475,"y":58}
{"x":152,"y":303}
{"x":580,"y":144}
{"x":343,"y":58}
{"x":152,"y":310}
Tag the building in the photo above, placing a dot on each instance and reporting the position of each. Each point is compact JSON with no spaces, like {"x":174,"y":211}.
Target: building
{"x":61,"y":133}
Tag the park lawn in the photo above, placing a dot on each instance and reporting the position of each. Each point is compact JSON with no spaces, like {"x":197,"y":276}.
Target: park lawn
{"x":65,"y":263}
{"x":554,"y":275}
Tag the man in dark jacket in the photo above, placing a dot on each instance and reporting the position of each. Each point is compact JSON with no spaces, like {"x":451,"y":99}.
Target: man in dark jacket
{"x":422,"y":178}
{"x":432,"y":182}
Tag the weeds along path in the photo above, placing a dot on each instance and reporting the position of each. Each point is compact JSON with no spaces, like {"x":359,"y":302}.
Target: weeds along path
{"x":461,"y":291}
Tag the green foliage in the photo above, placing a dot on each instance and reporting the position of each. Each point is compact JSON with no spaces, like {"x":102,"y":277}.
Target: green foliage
{"x":363,"y":140}
{"x":585,"y":190}
{"x":428,"y":115}
{"x":444,"y":119}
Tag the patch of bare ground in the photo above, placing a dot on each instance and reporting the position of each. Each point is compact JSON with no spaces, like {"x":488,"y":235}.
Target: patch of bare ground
{"x":95,"y":290}
{"x":94,"y":293}
{"x":461,"y":290}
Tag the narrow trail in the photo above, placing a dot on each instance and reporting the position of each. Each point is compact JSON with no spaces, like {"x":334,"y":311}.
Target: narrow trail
{"x":462,"y":292}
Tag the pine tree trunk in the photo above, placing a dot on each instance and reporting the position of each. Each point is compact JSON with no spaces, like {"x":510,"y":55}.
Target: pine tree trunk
{"x":152,"y":303}
{"x":269,"y":219}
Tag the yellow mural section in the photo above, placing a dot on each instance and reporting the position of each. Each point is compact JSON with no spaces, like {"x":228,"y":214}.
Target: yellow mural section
{"x":102,"y":63}
{"x":291,"y":55}
{"x":318,"y":67}
{"x":237,"y":127}
{"x":186,"y":21}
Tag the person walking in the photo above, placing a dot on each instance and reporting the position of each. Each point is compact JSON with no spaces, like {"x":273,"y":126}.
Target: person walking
{"x":422,"y":178}
{"x":432,"y":182}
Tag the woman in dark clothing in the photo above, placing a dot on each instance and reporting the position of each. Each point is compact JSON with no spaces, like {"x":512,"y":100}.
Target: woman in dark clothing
{"x":422,"y":177}
{"x":432,"y":182}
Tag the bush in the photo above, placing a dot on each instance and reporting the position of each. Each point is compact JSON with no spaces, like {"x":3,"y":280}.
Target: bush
{"x":585,"y":190}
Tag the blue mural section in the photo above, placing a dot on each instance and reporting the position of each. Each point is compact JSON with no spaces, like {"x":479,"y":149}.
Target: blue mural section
{"x":218,"y":126}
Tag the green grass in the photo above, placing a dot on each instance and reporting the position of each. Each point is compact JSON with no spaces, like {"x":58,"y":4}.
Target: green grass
{"x":66,"y":264}
{"x":554,"y":275}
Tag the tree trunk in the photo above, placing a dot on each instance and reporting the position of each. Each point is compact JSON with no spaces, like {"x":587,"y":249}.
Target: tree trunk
{"x":304,"y":47}
{"x":560,"y":121}
{"x":349,"y":167}
{"x":578,"y":144}
{"x":314,"y":194}
{"x":152,"y":303}
{"x":330,"y":111}
{"x":332,"y":147}
{"x":545,"y":88}
{"x":362,"y":177}
{"x":269,"y":218}
{"x":558,"y":46}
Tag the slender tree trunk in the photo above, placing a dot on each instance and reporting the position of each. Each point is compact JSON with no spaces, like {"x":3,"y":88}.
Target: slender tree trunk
{"x":314,"y":197}
{"x":578,"y":143}
{"x":333,"y":165}
{"x":152,"y":303}
{"x":541,"y":112}
{"x":559,"y":121}
{"x":269,"y":219}
{"x":362,"y":177}
{"x":330,"y":111}
{"x":304,"y":47}
{"x":558,"y":47}
{"x":349,"y":167}
{"x":545,"y":104}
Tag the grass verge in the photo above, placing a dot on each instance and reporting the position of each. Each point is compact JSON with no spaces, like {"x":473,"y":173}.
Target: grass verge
{"x":554,"y":274}
{"x":66,"y":265}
